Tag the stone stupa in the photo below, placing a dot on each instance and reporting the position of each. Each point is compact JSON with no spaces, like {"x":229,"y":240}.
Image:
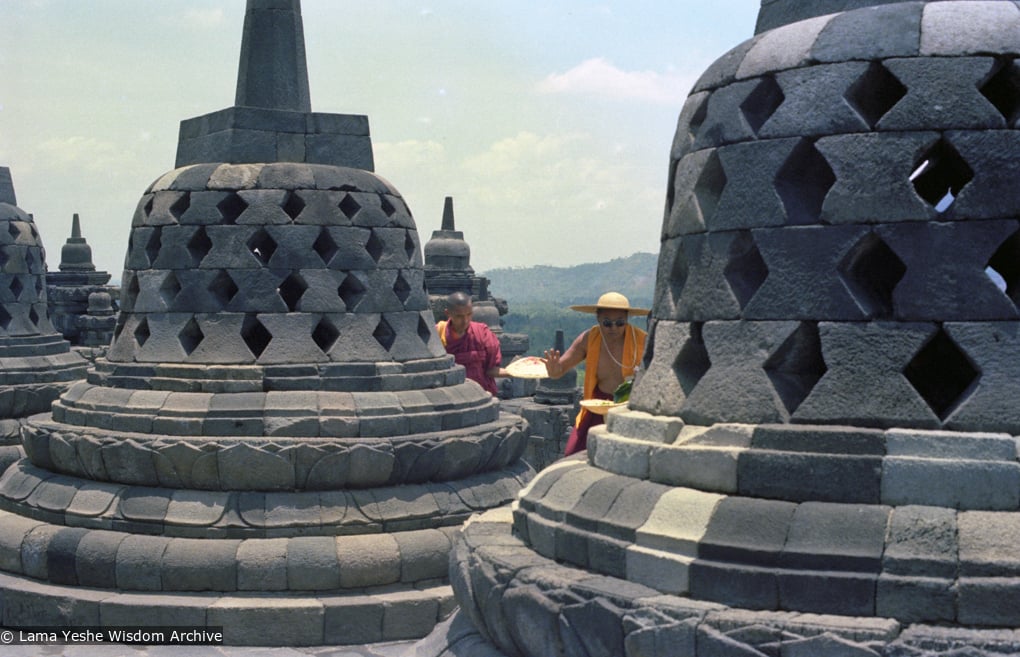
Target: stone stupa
{"x":68,"y":289}
{"x":820,"y":458}
{"x":36,"y":363}
{"x":276,"y":443}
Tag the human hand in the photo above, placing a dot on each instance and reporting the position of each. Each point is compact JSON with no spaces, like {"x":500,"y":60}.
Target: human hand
{"x":552,"y":362}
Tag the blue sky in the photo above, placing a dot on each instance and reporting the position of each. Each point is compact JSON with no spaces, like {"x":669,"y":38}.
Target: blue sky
{"x":549,"y":125}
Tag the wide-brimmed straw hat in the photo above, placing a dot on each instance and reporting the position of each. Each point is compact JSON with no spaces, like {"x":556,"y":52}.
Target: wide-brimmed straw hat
{"x":611,"y":301}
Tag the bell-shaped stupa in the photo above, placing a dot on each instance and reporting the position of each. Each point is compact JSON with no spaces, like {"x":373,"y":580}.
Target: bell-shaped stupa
{"x":276,"y":443}
{"x":821,"y":455}
{"x":36,"y":363}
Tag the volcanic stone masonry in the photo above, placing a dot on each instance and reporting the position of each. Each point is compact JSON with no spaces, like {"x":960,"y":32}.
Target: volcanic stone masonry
{"x":36,"y":363}
{"x":821,"y":455}
{"x":276,"y":443}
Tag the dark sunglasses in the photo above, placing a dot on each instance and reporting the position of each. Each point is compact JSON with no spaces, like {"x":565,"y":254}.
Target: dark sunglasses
{"x":608,"y":323}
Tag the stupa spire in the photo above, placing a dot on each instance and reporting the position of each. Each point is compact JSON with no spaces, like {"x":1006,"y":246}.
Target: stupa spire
{"x":273,"y":71}
{"x":7,"y":187}
{"x":448,"y":223}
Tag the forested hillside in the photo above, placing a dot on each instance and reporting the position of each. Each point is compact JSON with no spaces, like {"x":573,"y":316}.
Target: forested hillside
{"x":539,"y":296}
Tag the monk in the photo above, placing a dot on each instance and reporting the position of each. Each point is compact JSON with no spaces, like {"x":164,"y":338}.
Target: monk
{"x":472,"y":344}
{"x":611,"y":351}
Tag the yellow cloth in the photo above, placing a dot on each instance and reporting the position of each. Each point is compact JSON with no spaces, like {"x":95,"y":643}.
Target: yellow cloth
{"x":441,"y":329}
{"x":633,"y":350}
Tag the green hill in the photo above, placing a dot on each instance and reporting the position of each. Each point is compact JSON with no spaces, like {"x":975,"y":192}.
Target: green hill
{"x":539,"y":296}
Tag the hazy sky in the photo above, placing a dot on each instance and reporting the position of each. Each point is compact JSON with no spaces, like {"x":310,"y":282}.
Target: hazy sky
{"x":548,"y":122}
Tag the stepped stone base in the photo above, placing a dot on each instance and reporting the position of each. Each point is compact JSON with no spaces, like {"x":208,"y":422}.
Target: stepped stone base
{"x":374,"y":615}
{"x":525,"y":604}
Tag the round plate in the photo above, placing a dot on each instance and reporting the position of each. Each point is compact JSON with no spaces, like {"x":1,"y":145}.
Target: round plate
{"x":529,"y":367}
{"x":600,"y":406}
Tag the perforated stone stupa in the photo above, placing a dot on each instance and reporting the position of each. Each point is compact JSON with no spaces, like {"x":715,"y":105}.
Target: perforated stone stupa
{"x":36,"y":364}
{"x":68,"y":290}
{"x":821,"y":456}
{"x":277,"y":443}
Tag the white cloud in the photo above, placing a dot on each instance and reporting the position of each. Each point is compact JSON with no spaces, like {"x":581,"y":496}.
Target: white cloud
{"x":86,"y":153}
{"x":599,"y":77}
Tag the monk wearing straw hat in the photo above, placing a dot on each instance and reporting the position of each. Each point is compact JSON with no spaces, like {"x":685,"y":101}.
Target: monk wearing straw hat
{"x":611,"y":351}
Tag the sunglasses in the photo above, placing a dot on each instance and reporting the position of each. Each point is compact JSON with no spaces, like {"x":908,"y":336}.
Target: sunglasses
{"x":608,"y":323}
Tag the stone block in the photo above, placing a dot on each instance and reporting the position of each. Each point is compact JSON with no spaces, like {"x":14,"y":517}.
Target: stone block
{"x":352,"y":620}
{"x":830,"y":537}
{"x":748,"y":198}
{"x":954,"y":30}
{"x":424,"y":554}
{"x":645,"y":426}
{"x":368,"y":560}
{"x":988,"y":601}
{"x":804,"y":274}
{"x":32,"y":604}
{"x":916,"y":599}
{"x":665,"y":571}
{"x":874,"y":33}
{"x":563,"y":495}
{"x":723,"y":70}
{"x":986,"y":405}
{"x":631,"y":510}
{"x":138,"y":609}
{"x":747,"y":530}
{"x":960,"y":484}
{"x":922,"y":540}
{"x":723,"y":121}
{"x":60,"y":555}
{"x":958,"y":251}
{"x":200,"y":565}
{"x":678,"y":522}
{"x":262,"y":565}
{"x":706,"y":468}
{"x":139,"y":560}
{"x":408,"y":614}
{"x":882,"y":163}
{"x":985,"y":152}
{"x":596,"y":502}
{"x":942,"y":91}
{"x":618,"y":454}
{"x":800,"y":477}
{"x":983,"y":539}
{"x":16,"y":528}
{"x":35,"y":550}
{"x":814,"y":102}
{"x":736,"y":586}
{"x":144,"y":504}
{"x":785,"y":47}
{"x":951,"y":444}
{"x":312,"y":563}
{"x":196,"y":508}
{"x":828,"y":592}
{"x":268,"y":621}
{"x":863,"y":384}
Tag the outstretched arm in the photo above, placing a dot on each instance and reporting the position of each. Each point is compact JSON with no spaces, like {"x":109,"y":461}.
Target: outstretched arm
{"x":557,"y":364}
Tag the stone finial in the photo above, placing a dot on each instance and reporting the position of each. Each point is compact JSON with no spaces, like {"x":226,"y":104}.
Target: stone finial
{"x":7,"y":187}
{"x":273,"y":72}
{"x":76,"y":254}
{"x":448,"y":223}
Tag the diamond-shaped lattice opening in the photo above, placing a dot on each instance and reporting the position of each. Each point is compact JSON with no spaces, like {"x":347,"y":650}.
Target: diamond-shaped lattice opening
{"x":1004,"y":267}
{"x":293,"y":205}
{"x":199,"y":246}
{"x":942,"y":374}
{"x":325,"y":335}
{"x":692,"y":362}
{"x":325,"y":246}
{"x":349,"y":206}
{"x":262,"y":246}
{"x":409,"y":246}
{"x":291,"y":290}
{"x":871,"y":271}
{"x":388,"y":208}
{"x":3,"y":258}
{"x":148,"y":206}
{"x":169,"y":289}
{"x":698,"y":119}
{"x":39,"y":286}
{"x":384,"y":334}
{"x":230,"y":208}
{"x":709,"y":187}
{"x":352,"y":291}
{"x":803,"y":182}
{"x":375,"y":246}
{"x":30,"y":261}
{"x":131,"y":291}
{"x":142,"y":332}
{"x":255,"y":335}
{"x":14,"y":228}
{"x":153,"y":245}
{"x":746,"y":270}
{"x":940,"y":176}
{"x":1003,"y":90}
{"x":678,"y":273}
{"x":762,"y":103}
{"x":875,"y":93}
{"x":33,"y":316}
{"x":16,"y":287}
{"x":180,"y":206}
{"x":797,"y":365}
{"x":401,"y":288}
{"x":5,"y":318}
{"x":223,"y":288}
{"x":190,"y":336}
{"x":424,"y":331}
